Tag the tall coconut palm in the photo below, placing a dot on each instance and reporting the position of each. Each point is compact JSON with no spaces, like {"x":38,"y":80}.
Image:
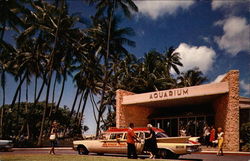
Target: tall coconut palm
{"x":191,"y":77}
{"x":109,"y":7}
{"x":59,"y":27}
{"x":118,"y":38}
{"x":172,"y":60}
{"x":8,"y":19}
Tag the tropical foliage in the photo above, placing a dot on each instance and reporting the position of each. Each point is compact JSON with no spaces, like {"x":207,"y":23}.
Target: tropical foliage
{"x":51,"y":49}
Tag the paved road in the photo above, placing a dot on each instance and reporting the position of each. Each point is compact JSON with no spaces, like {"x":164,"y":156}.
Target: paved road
{"x":192,"y":157}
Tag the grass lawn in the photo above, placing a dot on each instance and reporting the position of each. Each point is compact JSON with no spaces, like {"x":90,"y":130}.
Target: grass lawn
{"x":62,"y":157}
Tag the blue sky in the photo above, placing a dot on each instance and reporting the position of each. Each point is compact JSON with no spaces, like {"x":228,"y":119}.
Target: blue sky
{"x":213,"y":35}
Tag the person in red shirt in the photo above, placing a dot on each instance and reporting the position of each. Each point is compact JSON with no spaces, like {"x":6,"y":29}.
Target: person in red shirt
{"x":131,"y":138}
{"x":212,"y":136}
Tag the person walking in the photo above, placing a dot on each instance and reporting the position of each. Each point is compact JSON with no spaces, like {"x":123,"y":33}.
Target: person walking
{"x":151,"y":143}
{"x":131,"y":138}
{"x":206,"y":135}
{"x":212,"y":136}
{"x":220,"y":138}
{"x":53,"y":137}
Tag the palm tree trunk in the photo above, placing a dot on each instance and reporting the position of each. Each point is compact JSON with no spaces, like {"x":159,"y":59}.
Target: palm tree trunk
{"x":98,"y":123}
{"x":39,"y":143}
{"x":3,"y":85}
{"x":17,"y":91}
{"x":26,"y":108}
{"x":74,"y":103}
{"x":35,"y":88}
{"x":53,"y":98}
{"x":3,"y":30}
{"x":62,"y":91}
{"x":59,"y":100}
{"x":79,"y":106}
{"x":41,"y":90}
{"x":54,"y":88}
{"x":18,"y":110}
{"x":2,"y":109}
{"x":84,"y":105}
{"x":1,"y":122}
{"x":37,"y":98}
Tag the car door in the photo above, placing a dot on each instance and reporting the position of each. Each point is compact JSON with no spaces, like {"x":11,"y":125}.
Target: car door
{"x":115,"y":143}
{"x":140,"y":145}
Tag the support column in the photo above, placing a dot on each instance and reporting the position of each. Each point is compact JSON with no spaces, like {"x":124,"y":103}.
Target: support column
{"x":227,"y":112}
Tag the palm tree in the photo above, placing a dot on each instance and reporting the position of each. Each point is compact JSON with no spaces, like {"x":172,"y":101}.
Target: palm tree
{"x":191,"y":77}
{"x":57,"y":28}
{"x":109,"y":6}
{"x":172,"y":60}
{"x":8,"y":18}
{"x":118,"y":38}
{"x":9,"y":15}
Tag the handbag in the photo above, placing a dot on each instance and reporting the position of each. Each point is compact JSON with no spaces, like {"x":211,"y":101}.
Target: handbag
{"x":52,"y":137}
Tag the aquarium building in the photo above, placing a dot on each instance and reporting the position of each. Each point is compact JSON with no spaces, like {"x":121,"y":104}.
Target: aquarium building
{"x":215,"y":104}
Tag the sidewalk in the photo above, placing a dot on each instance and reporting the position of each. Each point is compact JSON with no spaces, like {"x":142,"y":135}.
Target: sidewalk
{"x":213,"y":150}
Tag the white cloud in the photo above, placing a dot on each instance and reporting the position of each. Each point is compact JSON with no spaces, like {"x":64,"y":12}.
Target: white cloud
{"x":219,"y":78}
{"x":245,"y":87}
{"x":236,"y":35}
{"x":155,"y":9}
{"x":196,"y":56}
{"x":226,"y":4}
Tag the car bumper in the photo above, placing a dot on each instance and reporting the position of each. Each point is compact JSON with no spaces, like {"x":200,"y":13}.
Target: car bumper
{"x":193,"y":150}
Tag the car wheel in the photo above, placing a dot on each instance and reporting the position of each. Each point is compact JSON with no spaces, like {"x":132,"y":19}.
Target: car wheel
{"x":163,"y":154}
{"x":167,"y":154}
{"x":82,"y":150}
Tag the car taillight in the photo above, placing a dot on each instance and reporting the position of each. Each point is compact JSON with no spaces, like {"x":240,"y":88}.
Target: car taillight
{"x":193,"y":142}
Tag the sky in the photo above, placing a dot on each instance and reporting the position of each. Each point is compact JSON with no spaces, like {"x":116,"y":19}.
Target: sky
{"x":212,"y":35}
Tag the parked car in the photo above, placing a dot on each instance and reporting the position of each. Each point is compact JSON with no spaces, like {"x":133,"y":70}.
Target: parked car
{"x":6,"y":145}
{"x":114,"y":141}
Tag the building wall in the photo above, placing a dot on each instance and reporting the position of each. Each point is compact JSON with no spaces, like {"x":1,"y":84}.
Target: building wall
{"x":227,"y":112}
{"x":132,"y":113}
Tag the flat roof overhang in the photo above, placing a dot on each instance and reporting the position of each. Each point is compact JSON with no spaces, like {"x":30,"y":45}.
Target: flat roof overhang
{"x":179,"y":96}
{"x":244,"y":103}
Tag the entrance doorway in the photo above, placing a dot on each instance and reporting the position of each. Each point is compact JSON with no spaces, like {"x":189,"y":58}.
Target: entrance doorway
{"x":193,"y":125}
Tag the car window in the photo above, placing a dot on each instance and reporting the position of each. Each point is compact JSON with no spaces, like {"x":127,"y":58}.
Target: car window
{"x":116,"y":136}
{"x":141,"y":135}
{"x":125,"y":136}
{"x":103,"y":136}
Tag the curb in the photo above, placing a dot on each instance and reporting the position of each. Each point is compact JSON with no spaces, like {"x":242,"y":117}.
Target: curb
{"x":225,"y":152}
{"x":39,"y":149}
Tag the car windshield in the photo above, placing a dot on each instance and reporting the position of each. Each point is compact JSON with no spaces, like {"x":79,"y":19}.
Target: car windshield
{"x":161,"y":135}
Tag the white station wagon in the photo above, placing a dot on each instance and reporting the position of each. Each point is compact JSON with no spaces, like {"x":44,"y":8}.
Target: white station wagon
{"x":114,"y":141}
